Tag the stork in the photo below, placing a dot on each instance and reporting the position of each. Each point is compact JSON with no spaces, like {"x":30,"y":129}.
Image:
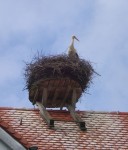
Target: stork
{"x":72,"y":53}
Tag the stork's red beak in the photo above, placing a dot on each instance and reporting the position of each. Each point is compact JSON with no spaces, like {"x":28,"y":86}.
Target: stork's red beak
{"x":76,"y":38}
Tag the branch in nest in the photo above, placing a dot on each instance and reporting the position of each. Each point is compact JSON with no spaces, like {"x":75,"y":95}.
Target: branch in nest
{"x":43,"y":67}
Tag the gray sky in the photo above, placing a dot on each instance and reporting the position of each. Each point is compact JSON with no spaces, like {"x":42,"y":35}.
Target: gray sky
{"x":45,"y":25}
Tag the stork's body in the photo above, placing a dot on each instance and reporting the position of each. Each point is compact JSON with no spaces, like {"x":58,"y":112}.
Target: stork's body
{"x":72,"y":53}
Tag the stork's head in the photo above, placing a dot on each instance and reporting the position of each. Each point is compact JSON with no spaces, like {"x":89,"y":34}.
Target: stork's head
{"x":74,"y":37}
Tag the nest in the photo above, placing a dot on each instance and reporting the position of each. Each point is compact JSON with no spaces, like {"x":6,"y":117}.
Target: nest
{"x":59,"y":66}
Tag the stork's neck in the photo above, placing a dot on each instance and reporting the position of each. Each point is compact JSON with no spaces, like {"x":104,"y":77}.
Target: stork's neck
{"x":72,"y":42}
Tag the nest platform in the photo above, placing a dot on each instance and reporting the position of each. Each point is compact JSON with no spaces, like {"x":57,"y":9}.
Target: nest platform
{"x":57,"y":76}
{"x":54,"y":93}
{"x":57,"y":82}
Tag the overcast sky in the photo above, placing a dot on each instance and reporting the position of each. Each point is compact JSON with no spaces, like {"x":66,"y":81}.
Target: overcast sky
{"x":45,"y":25}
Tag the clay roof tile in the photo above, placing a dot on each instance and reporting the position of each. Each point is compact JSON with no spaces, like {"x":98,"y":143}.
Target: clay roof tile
{"x":105,"y":130}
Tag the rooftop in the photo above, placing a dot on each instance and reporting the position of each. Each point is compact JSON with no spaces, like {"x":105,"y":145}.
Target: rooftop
{"x":105,"y":130}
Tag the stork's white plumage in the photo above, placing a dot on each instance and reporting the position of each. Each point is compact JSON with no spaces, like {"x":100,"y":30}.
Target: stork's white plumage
{"x":72,"y":53}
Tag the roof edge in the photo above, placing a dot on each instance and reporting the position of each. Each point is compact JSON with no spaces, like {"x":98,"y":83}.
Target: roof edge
{"x":51,"y":110}
{"x":7,"y":128}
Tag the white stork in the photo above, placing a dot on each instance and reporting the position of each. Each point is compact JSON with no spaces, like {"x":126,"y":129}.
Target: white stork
{"x":72,"y":53}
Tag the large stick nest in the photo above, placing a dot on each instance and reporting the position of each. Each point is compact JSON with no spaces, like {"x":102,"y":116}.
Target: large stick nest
{"x":59,"y":66}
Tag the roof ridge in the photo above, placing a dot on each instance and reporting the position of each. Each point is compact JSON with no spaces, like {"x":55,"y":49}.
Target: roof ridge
{"x":10,"y":130}
{"x":51,"y":110}
{"x":15,"y":108}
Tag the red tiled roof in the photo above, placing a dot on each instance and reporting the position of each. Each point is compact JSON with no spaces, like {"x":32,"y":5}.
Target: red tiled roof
{"x":104,"y":130}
